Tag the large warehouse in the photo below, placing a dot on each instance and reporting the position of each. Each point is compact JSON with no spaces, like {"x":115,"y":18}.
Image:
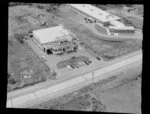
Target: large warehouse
{"x":55,"y":40}
{"x":115,"y":25}
{"x":95,"y":12}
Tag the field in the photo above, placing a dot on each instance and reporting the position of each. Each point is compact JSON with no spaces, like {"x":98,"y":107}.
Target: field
{"x":119,"y":93}
{"x":23,"y":61}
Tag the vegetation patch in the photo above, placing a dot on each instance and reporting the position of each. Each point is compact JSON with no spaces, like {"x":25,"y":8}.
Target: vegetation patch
{"x":24,"y":67}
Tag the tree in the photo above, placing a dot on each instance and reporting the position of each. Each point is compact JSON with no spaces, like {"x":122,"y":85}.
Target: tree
{"x":11,"y":80}
{"x":19,"y":38}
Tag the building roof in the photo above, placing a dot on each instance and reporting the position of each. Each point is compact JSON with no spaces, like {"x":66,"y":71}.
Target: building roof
{"x":95,"y":12}
{"x":51,"y":34}
{"x":119,"y":25}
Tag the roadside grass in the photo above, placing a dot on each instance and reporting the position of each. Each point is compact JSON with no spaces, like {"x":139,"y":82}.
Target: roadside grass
{"x":20,"y":59}
{"x":108,"y":49}
{"x":101,"y":29}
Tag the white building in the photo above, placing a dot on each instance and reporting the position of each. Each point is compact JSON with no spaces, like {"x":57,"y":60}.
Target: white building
{"x":104,"y":17}
{"x":119,"y":27}
{"x":55,"y":39}
{"x":95,"y":12}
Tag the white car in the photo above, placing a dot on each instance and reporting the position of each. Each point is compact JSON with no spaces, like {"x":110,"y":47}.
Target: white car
{"x":69,"y":67}
{"x":81,"y":63}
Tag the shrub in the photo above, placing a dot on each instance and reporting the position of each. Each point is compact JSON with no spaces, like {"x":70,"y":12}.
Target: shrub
{"x":12,"y":80}
{"x":19,"y":38}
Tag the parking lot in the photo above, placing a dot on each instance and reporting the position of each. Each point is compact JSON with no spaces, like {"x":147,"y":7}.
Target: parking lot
{"x":76,"y":69}
{"x":74,"y":62}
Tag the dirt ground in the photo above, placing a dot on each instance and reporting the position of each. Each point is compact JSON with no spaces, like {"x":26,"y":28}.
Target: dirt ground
{"x":125,"y":98}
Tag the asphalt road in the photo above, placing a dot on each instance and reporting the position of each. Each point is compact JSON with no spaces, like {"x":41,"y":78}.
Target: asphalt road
{"x":31,"y":96}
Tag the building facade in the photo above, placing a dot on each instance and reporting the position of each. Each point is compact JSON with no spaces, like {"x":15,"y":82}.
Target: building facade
{"x":56,"y":40}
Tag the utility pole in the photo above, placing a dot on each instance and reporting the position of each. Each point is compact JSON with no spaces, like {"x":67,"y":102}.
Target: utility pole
{"x":53,"y":72}
{"x":119,"y":49}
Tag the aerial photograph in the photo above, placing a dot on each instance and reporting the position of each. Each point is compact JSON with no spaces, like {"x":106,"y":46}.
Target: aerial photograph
{"x":75,"y":57}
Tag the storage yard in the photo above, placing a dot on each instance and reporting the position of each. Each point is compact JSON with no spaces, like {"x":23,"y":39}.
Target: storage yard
{"x":79,"y":45}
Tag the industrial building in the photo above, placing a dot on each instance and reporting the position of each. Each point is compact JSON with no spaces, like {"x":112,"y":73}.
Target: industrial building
{"x":95,"y":12}
{"x":118,"y":27}
{"x":55,"y":40}
{"x":113,"y":22}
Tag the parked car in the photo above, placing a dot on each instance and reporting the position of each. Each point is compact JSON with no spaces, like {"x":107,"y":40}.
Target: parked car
{"x":90,"y":61}
{"x":69,"y":67}
{"x":72,"y":66}
{"x":81,"y":63}
{"x":77,"y":65}
{"x":98,"y":58}
{"x":86,"y":62}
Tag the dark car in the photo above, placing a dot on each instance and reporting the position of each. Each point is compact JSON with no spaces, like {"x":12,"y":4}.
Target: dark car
{"x":98,"y":58}
{"x":86,"y":62}
{"x":72,"y":66}
{"x":90,"y":61}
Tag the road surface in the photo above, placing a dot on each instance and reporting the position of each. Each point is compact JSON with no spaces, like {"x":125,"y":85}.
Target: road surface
{"x":30,"y":96}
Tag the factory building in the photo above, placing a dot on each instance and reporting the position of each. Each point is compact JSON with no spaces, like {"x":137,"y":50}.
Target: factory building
{"x":118,"y":27}
{"x":94,"y":12}
{"x":110,"y":21}
{"x":55,"y":40}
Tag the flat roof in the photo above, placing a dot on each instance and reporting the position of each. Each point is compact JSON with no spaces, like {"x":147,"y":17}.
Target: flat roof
{"x":119,"y":25}
{"x":95,"y":12}
{"x":51,"y":34}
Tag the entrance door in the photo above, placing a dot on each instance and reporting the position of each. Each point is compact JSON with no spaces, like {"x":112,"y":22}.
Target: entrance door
{"x":49,"y":51}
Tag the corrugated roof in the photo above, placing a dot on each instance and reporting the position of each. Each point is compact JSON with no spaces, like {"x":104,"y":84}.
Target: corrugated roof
{"x":50,"y":34}
{"x":95,"y":12}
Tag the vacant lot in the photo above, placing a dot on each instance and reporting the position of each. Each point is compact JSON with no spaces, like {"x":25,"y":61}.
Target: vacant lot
{"x":125,"y":98}
{"x":22,"y":59}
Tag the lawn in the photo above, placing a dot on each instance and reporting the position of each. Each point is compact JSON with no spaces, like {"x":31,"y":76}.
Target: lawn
{"x":22,"y":59}
{"x":101,"y":29}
